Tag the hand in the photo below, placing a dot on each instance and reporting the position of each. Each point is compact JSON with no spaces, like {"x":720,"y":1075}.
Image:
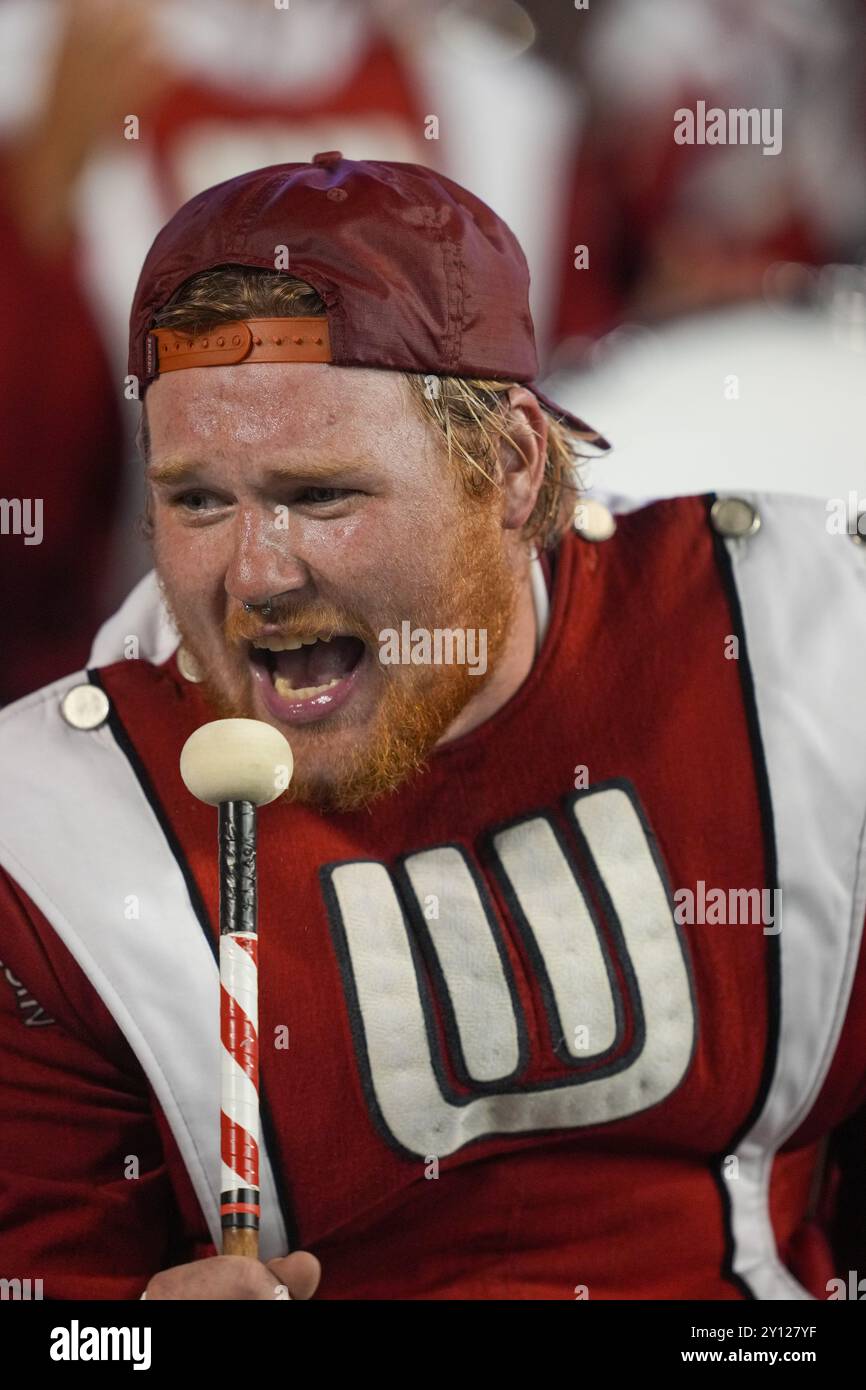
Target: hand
{"x":108,"y":65}
{"x":236,"y":1277}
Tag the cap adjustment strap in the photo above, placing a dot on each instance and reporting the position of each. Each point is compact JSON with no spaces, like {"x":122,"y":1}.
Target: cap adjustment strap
{"x":248,"y":340}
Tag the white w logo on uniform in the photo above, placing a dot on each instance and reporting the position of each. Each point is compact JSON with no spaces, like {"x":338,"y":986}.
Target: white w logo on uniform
{"x":384,"y":944}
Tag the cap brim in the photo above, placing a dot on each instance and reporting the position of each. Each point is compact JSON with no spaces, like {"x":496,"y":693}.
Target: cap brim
{"x":573,"y":421}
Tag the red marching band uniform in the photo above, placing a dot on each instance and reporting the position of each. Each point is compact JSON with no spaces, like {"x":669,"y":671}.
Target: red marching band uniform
{"x":497,"y":1061}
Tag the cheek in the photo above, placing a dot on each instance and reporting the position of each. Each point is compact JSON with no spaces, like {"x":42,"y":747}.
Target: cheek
{"x":165,"y":554}
{"x":388,"y":546}
{"x":349,"y":555}
{"x":183,"y":549}
{"x":190,"y":566}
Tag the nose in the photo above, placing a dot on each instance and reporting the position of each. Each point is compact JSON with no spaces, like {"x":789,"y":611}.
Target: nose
{"x":263,"y":565}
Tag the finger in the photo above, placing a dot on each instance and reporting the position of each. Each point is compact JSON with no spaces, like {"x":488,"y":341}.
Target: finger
{"x":222,"y":1277}
{"x":300,"y":1271}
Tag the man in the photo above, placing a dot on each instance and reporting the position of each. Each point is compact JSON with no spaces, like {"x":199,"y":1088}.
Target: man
{"x":561,"y":913}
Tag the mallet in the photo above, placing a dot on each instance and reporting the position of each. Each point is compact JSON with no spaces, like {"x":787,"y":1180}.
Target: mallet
{"x":237,"y":765}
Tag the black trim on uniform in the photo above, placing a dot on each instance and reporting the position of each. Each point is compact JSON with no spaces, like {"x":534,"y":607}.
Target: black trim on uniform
{"x":774,"y":958}
{"x":130,"y":752}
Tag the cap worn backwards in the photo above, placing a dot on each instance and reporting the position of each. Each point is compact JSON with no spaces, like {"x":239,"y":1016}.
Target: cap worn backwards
{"x":416,"y":274}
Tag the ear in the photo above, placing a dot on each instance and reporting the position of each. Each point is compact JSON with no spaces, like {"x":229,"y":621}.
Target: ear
{"x":523,"y":464}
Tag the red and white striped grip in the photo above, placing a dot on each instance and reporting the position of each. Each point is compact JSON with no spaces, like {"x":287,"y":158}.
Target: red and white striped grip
{"x":239,"y":1102}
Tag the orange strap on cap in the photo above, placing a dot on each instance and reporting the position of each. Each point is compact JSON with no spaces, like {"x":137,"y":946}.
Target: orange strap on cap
{"x":248,"y":340}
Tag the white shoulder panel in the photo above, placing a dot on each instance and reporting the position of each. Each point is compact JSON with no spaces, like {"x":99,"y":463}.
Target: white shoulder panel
{"x":802,"y":592}
{"x":79,"y":835}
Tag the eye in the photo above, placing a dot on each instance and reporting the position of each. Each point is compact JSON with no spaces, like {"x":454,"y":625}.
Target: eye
{"x":321,"y":496}
{"x":193,"y":501}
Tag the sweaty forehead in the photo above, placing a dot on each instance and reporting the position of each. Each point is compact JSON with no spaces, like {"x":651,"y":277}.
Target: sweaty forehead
{"x":294,"y":405}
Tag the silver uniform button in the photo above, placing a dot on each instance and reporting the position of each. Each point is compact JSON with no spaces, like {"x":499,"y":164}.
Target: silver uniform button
{"x":734,"y":517}
{"x":85,"y":707}
{"x":187,"y":666}
{"x":593,"y":520}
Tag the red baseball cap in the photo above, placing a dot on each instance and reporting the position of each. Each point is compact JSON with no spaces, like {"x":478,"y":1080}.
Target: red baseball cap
{"x":416,"y":274}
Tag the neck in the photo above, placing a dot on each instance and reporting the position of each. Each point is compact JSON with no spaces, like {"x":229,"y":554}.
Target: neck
{"x":511,"y":670}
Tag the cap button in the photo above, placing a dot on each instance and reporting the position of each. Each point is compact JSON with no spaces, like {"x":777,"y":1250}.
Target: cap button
{"x":328,"y":157}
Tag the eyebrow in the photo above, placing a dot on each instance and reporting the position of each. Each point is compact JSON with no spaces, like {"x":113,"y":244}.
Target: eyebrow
{"x":172,"y":470}
{"x":178,"y":470}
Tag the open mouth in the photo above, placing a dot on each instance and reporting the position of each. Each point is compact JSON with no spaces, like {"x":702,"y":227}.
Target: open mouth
{"x":306,"y":678}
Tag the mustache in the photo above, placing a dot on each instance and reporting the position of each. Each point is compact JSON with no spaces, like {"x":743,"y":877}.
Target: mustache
{"x":241,"y":627}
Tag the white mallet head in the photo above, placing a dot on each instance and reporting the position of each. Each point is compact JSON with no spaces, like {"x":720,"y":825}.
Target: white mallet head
{"x":236,"y":760}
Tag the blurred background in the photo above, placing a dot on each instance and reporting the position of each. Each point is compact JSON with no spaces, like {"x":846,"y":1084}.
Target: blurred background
{"x":704,"y":305}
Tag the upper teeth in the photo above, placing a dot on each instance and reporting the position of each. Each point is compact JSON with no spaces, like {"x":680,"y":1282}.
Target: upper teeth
{"x":288,"y":644}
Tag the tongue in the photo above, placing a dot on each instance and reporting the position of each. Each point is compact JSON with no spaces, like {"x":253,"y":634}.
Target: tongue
{"x":319,"y":663}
